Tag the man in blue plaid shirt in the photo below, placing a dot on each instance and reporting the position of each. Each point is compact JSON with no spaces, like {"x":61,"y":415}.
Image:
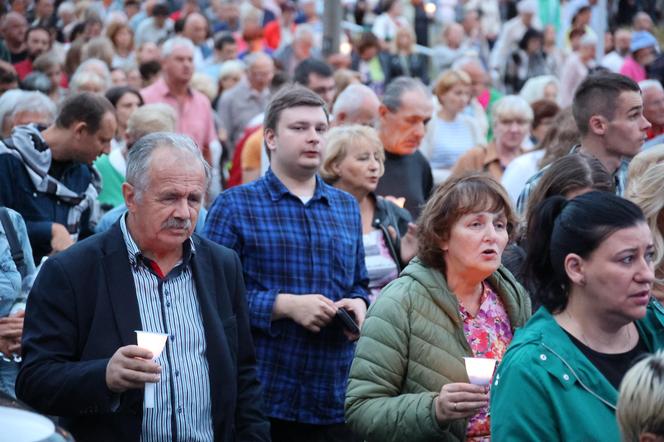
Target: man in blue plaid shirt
{"x":300,"y":243}
{"x":608,"y":110}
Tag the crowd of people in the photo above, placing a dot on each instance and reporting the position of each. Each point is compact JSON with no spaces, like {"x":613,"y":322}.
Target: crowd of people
{"x":324,"y":236}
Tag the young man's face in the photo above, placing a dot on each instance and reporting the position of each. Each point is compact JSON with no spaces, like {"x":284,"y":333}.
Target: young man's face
{"x":626,"y":132}
{"x":298,"y":145}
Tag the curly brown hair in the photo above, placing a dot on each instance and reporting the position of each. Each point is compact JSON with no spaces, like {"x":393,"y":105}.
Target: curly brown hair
{"x":456,"y":197}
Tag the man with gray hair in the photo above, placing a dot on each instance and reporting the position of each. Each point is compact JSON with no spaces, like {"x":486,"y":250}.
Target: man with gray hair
{"x":403,"y":116}
{"x":247,"y":99}
{"x":357,"y":104}
{"x":194,"y":114}
{"x":19,"y":107}
{"x":653,"y":110}
{"x":149,"y":273}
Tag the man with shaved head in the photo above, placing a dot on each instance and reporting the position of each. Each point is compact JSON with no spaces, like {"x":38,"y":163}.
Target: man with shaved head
{"x":247,"y":99}
{"x":196,"y":29}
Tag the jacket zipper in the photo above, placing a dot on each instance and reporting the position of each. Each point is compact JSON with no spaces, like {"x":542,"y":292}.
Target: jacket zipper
{"x":585,"y":387}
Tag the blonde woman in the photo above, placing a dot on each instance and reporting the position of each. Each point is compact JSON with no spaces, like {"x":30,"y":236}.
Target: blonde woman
{"x":646,"y":180}
{"x":354,"y":163}
{"x":640,"y":406}
{"x":450,"y":133}
{"x":512,"y":116}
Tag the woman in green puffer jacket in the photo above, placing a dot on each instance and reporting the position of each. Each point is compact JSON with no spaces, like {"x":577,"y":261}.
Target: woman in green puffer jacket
{"x":592,"y":259}
{"x":408,"y":381}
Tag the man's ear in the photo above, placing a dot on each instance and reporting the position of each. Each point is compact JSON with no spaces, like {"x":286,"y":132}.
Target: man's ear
{"x":270,"y":137}
{"x":597,"y":124}
{"x":129,"y":194}
{"x":382,"y":111}
{"x":79,"y":128}
{"x":575,"y":269}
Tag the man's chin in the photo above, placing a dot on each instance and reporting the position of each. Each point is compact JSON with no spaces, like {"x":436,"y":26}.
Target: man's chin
{"x":403,"y":150}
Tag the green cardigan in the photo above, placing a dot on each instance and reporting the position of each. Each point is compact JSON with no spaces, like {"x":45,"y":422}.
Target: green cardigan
{"x":112,"y":180}
{"x":412,"y":343}
{"x":547,"y":390}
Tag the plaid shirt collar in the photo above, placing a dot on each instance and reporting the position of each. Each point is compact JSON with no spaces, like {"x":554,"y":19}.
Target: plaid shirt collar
{"x":278,"y":190}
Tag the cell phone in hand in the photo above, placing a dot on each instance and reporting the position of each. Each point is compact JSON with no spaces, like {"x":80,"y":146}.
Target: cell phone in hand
{"x":347,"y":321}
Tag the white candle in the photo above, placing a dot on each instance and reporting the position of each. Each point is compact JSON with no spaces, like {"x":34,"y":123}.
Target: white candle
{"x":480,"y":370}
{"x":154,"y":342}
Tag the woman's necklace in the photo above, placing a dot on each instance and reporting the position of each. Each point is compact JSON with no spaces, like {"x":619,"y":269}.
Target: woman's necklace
{"x":625,"y":347}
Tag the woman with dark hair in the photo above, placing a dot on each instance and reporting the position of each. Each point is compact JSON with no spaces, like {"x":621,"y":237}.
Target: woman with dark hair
{"x":570,"y":176}
{"x":592,"y":260}
{"x":125,"y":100}
{"x":526,"y":61}
{"x":112,"y":167}
{"x":371,"y":62}
{"x":454,"y":300}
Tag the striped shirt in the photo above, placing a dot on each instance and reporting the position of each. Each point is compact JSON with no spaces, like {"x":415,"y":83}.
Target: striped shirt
{"x":169,"y":304}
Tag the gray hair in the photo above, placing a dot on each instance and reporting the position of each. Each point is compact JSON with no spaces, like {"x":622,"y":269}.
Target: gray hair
{"x":8,"y":102}
{"x":79,"y":79}
{"x":649,"y":84}
{"x":35,"y":101}
{"x":149,"y":118}
{"x":511,"y":106}
{"x":255,"y":57}
{"x":231,"y":67}
{"x":98,"y":67}
{"x":398,"y":87}
{"x":465,"y":61}
{"x":351,"y":99}
{"x":303,"y":31}
{"x":173,"y":43}
{"x":138,"y":160}
{"x":66,"y":8}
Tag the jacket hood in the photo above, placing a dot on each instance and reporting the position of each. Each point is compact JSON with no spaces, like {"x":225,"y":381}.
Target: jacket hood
{"x":513,"y":295}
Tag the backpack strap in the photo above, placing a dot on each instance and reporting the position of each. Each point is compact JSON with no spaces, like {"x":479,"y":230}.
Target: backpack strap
{"x":14,"y":244}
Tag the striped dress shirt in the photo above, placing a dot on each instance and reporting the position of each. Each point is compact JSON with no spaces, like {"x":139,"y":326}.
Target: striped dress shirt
{"x":169,"y":304}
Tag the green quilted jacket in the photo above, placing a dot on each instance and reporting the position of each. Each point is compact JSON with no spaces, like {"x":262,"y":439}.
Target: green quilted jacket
{"x":412,"y":343}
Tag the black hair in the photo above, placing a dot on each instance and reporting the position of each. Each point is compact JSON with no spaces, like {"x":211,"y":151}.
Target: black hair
{"x":597,"y":95}
{"x":115,"y":93}
{"x":84,"y":107}
{"x":559,"y":227}
{"x":149,"y":69}
{"x":530,"y":35}
{"x":38,"y":28}
{"x":7,"y":75}
{"x":160,"y":9}
{"x":311,"y":66}
{"x":178,"y":26}
{"x":222,"y":39}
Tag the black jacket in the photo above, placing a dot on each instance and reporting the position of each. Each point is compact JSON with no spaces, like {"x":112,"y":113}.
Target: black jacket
{"x":83,"y":307}
{"x":389,"y":214}
{"x":418,"y":67}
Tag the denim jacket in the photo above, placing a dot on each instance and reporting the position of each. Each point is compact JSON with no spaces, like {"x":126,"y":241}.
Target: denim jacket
{"x":12,"y":288}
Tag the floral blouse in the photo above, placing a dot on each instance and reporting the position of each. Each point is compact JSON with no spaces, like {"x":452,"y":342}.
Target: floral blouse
{"x":489,"y":333}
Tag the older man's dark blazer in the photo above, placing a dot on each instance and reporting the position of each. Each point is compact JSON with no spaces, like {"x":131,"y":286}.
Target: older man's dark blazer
{"x":83,"y":307}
